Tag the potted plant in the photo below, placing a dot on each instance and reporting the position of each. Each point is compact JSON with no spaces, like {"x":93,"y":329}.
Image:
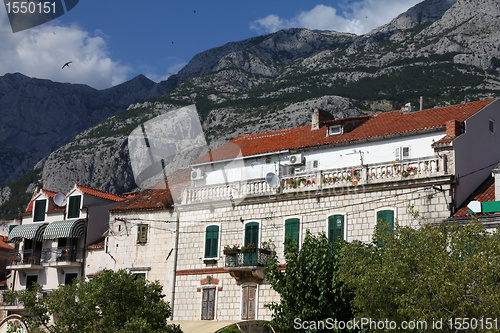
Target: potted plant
{"x":232,"y":249}
{"x":249,"y":248}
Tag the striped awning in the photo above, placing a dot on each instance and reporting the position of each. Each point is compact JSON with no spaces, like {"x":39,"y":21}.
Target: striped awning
{"x":65,"y":229}
{"x":27,"y":231}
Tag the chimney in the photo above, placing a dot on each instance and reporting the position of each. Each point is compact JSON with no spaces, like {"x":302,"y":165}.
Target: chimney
{"x":421,"y":103}
{"x":453,"y":128}
{"x":315,"y":119}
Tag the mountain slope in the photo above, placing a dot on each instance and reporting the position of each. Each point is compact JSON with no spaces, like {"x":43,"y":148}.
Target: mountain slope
{"x":444,"y":50}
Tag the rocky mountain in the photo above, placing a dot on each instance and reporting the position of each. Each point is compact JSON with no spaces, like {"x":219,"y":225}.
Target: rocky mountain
{"x":443,"y":50}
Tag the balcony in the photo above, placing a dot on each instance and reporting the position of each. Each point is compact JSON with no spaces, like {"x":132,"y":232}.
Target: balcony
{"x":25,"y":260}
{"x":11,"y":305}
{"x":372,"y":174}
{"x":62,"y":257}
{"x":247,"y":263}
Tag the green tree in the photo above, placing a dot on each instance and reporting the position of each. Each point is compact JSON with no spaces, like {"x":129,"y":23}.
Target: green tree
{"x":429,"y":274}
{"x":308,"y":285}
{"x":110,"y":302}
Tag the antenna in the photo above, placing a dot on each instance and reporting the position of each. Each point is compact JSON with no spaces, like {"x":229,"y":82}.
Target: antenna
{"x":60,"y":199}
{"x":272,"y":180}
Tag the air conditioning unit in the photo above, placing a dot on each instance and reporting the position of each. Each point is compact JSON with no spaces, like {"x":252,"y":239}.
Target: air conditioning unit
{"x":296,"y":159}
{"x":197,"y":174}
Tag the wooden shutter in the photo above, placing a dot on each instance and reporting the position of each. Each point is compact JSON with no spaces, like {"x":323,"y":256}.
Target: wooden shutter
{"x":208,"y":304}
{"x":386,"y":216}
{"x":142,"y":233}
{"x":39,"y":214}
{"x":248,"y":302}
{"x":292,"y":230}
{"x":74,"y":206}
{"x":252,"y":234}
{"x":335,"y":228}
{"x":211,"y":241}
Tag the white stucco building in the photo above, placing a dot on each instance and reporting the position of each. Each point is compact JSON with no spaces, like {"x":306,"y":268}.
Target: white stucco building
{"x":51,"y":239}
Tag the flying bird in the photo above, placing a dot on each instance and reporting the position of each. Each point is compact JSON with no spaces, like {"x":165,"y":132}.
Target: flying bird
{"x":67,"y":64}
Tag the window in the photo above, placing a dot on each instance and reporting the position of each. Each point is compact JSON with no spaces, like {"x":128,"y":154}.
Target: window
{"x":69,"y":278}
{"x":402,"y":153}
{"x":211,"y":241}
{"x":39,"y":213}
{"x":248,"y":302}
{"x":335,"y":228}
{"x":385,"y":221}
{"x":292,"y":230}
{"x":30,"y":280}
{"x":139,"y":275}
{"x":252,"y":234}
{"x":74,"y":206}
{"x":492,"y":126}
{"x":142,"y":233}
{"x":335,"y":130}
{"x":208,"y":303}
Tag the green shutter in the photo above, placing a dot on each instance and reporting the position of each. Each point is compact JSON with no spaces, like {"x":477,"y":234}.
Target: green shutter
{"x":386,"y":216}
{"x":211,"y":241}
{"x":74,"y":206}
{"x":335,"y":228}
{"x":292,"y":230}
{"x":39,"y":214}
{"x":252,"y":234}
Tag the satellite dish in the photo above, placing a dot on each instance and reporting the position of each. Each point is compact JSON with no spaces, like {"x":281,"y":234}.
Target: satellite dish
{"x":60,"y":199}
{"x":475,"y":206}
{"x":272,"y":180}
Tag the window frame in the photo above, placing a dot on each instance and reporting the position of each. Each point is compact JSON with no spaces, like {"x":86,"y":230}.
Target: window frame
{"x":392,"y":224}
{"x":38,"y":216}
{"x":329,"y":221}
{"x":491,"y":126}
{"x":208,"y":304}
{"x":248,"y":305}
{"x":73,"y":213}
{"x":299,"y":231}
{"x":212,"y":256}
{"x":399,"y":153}
{"x":245,"y":240}
{"x":142,"y":233}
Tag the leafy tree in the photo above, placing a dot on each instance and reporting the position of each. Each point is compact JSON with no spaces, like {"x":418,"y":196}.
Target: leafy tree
{"x":308,"y":285}
{"x":110,"y":302}
{"x":431,"y":274}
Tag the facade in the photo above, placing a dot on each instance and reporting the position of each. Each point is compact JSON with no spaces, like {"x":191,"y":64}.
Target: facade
{"x":50,"y":242}
{"x":341,"y":177}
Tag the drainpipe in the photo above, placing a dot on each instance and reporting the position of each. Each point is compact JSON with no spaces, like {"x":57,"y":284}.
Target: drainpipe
{"x":176,"y":250}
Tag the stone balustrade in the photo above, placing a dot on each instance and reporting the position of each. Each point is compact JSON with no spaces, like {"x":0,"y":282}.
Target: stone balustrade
{"x":310,"y":181}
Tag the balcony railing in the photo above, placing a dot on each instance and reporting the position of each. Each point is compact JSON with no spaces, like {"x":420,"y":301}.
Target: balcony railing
{"x":246,"y":258}
{"x":326,"y":179}
{"x":26,"y":257}
{"x":62,"y":255}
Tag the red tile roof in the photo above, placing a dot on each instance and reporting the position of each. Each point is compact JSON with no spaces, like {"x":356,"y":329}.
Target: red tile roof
{"x":4,"y":245}
{"x":157,"y":198}
{"x":484,"y":193}
{"x":100,"y":194}
{"x":377,"y":126}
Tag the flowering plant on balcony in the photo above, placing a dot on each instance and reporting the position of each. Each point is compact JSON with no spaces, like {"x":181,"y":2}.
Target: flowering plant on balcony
{"x":249,"y":248}
{"x":329,"y":180}
{"x":232,"y":247}
{"x":409,"y":171}
{"x":268,"y":245}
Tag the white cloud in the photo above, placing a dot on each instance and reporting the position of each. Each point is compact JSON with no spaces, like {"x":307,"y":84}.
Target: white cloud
{"x":42,"y":51}
{"x":359,"y":17}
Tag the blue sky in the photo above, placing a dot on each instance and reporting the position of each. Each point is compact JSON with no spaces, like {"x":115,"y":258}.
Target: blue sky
{"x":111,"y":41}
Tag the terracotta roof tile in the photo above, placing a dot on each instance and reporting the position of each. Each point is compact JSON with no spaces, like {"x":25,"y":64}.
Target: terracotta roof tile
{"x":157,"y":198}
{"x":100,"y":194}
{"x":4,"y":245}
{"x":484,"y":193}
{"x":377,"y":126}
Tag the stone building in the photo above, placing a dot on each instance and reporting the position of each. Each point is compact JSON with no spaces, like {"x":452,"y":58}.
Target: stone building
{"x":337,"y":176}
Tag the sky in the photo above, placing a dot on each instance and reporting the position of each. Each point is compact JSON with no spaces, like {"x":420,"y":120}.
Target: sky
{"x":111,"y":41}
